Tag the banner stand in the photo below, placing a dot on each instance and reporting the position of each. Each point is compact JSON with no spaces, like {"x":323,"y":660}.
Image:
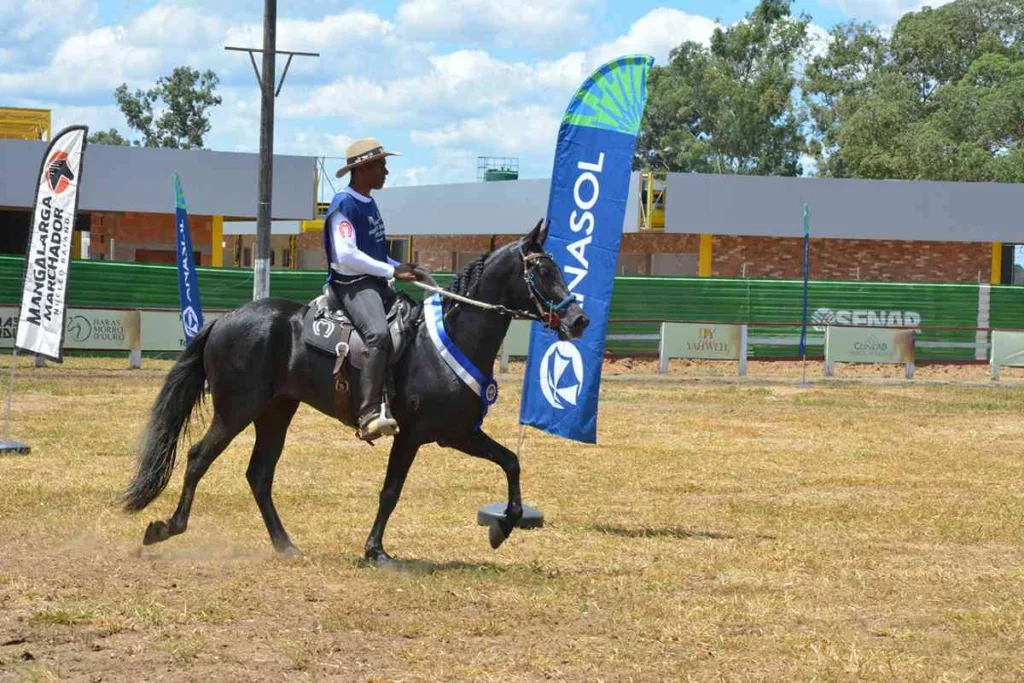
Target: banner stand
{"x":807,"y":271}
{"x":495,"y":512}
{"x":7,"y":446}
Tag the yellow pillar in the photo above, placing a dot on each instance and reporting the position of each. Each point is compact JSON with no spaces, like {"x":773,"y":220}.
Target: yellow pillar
{"x":704,"y":259}
{"x":217,"y":246}
{"x":76,"y":245}
{"x":997,"y":263}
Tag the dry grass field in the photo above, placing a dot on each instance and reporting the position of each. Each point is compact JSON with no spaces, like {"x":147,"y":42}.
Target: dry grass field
{"x":721,"y":531}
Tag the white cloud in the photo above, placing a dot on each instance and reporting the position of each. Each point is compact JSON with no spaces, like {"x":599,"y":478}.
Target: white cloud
{"x":449,"y":165}
{"x":47,"y":19}
{"x":881,"y":10}
{"x":313,"y":144}
{"x":143,"y":49}
{"x":532,"y":22}
{"x":474,"y":82}
{"x":466,"y":81}
{"x":527,"y":129}
{"x":97,"y":61}
{"x":820,"y":39}
{"x":417,"y":175}
{"x":151,"y":28}
{"x":30,"y":29}
{"x":656,"y":34}
{"x":470,"y":102}
{"x":333,"y":33}
{"x":98,"y":118}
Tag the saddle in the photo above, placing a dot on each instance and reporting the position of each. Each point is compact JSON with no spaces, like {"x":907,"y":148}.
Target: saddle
{"x":326,"y":328}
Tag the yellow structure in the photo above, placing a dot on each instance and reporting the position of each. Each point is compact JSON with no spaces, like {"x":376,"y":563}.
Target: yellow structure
{"x":996,"y":277}
{"x":652,"y":202}
{"x":704,"y":259}
{"x":24,"y":124}
{"x":217,"y":242}
{"x":315,"y":224}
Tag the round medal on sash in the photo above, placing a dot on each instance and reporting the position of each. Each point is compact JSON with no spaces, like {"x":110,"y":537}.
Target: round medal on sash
{"x":490,"y":393}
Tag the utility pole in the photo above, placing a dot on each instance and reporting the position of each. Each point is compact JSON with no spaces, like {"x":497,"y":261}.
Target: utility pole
{"x":268,"y":92}
{"x":261,"y":262}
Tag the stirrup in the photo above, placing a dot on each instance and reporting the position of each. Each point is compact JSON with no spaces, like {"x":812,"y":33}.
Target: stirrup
{"x":379,"y":425}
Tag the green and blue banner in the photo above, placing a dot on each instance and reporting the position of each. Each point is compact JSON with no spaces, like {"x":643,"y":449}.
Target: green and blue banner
{"x":586,"y":208}
{"x":188,"y":284}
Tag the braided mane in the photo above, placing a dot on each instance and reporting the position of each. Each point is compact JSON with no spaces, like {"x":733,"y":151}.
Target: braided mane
{"x":468,"y":279}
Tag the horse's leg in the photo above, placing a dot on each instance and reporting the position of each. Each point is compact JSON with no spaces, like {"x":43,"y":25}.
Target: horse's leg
{"x":271,"y":429}
{"x":479,"y":445}
{"x":200,"y":457}
{"x":403,"y":452}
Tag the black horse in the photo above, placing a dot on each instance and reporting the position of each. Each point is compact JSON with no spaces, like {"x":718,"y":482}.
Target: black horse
{"x":259,"y":370}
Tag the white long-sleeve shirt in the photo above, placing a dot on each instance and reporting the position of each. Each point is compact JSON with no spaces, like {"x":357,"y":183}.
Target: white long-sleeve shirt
{"x":346,"y":257}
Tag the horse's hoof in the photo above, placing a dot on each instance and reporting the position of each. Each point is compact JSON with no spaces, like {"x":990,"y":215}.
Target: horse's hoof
{"x":381,"y":560}
{"x":156,"y":532}
{"x":289,"y":552}
{"x":496,"y":535}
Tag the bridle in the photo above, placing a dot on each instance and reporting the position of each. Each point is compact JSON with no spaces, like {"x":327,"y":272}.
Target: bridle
{"x":549,"y":312}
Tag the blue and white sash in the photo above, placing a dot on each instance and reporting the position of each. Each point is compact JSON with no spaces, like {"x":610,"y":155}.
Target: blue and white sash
{"x":486,"y":389}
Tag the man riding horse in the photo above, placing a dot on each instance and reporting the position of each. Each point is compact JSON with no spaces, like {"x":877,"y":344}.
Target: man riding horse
{"x":259,"y":365}
{"x":358,"y":271}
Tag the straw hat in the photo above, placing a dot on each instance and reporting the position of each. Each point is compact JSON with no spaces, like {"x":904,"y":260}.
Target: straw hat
{"x":363,"y":152}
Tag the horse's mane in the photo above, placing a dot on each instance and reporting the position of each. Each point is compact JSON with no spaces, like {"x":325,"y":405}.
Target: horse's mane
{"x":468,"y":279}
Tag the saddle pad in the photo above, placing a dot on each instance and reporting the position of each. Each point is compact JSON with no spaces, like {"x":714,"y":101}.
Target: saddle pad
{"x":324,"y":332}
{"x":331,"y":331}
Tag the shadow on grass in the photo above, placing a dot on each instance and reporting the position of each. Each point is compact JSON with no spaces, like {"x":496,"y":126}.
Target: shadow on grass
{"x":416,"y":566}
{"x":663,"y":532}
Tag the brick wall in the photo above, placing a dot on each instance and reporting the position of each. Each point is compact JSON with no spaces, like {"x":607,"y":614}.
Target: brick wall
{"x":131,"y":231}
{"x":836,"y":259}
{"x":437,"y":251}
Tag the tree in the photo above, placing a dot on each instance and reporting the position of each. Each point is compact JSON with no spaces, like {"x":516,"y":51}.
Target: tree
{"x":186,"y":96}
{"x":108,"y":137}
{"x":730,"y":107}
{"x":941,"y":99}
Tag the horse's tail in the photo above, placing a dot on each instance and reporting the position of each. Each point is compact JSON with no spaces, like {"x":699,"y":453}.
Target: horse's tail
{"x":181,"y":392}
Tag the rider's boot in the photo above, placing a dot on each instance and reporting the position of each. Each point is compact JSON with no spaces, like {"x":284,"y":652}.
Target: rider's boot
{"x":374,"y":419}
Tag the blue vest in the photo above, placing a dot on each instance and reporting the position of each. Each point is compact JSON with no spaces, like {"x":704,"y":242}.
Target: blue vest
{"x":368,"y":226}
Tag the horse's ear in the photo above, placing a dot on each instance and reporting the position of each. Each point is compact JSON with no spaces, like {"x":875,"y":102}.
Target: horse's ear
{"x":537,"y":235}
{"x":542,"y":238}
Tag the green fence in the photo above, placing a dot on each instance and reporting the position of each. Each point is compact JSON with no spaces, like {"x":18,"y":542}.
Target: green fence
{"x":778,"y":304}
{"x":772,"y":308}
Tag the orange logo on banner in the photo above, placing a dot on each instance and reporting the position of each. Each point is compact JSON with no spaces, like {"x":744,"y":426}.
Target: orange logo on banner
{"x":706,"y":333}
{"x":58,"y":172}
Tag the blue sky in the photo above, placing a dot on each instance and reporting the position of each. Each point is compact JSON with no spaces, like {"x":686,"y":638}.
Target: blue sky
{"x":442,"y":81}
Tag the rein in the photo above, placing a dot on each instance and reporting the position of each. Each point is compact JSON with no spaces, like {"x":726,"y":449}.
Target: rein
{"x":497,"y":308}
{"x":548,"y":312}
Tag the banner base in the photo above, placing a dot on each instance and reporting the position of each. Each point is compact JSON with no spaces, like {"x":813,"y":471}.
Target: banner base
{"x":8,"y":447}
{"x":495,"y":512}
